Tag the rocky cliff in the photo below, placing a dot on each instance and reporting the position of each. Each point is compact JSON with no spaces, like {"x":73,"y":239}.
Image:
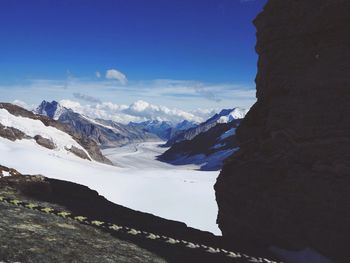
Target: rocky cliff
{"x":289,"y":185}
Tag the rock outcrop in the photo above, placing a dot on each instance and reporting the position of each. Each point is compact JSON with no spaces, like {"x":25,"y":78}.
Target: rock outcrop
{"x":11,"y":133}
{"x":289,"y":185}
{"x":47,"y":143}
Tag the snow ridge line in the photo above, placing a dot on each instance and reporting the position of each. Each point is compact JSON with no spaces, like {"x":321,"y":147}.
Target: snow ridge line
{"x":134,"y":232}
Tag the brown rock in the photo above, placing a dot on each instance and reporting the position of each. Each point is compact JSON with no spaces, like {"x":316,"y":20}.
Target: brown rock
{"x":44,"y":142}
{"x":289,"y":185}
{"x":78,"y":152}
{"x":11,"y":133}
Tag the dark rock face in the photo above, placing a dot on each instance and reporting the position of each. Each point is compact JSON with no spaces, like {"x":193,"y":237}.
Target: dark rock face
{"x":289,"y":185}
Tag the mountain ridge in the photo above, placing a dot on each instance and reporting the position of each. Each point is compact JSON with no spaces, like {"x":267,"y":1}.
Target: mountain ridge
{"x":115,"y":134}
{"x":224,"y":116}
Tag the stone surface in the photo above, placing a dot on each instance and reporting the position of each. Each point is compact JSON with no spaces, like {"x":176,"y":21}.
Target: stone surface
{"x":32,"y":236}
{"x":289,"y":185}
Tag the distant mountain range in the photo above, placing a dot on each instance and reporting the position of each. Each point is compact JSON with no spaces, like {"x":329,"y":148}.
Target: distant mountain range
{"x":206,"y":144}
{"x":163,"y":129}
{"x":225,"y":116}
{"x":108,"y":133}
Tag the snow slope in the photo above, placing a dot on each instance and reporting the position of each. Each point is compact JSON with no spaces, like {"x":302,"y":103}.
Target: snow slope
{"x":33,"y":127}
{"x":178,"y":194}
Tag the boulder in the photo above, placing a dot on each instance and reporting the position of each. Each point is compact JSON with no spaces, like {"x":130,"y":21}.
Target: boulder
{"x":47,"y":143}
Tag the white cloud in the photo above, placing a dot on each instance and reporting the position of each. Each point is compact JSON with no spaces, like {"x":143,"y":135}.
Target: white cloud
{"x":116,"y":75}
{"x":98,"y":74}
{"x":85,"y":97}
{"x":149,"y":111}
{"x":206,"y":92}
{"x":137,"y":112}
{"x":22,"y":104}
{"x":74,"y":105}
{"x":183,"y":94}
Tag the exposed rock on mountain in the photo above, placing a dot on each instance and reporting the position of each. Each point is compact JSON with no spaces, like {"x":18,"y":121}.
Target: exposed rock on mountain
{"x":11,"y":133}
{"x":208,"y":149}
{"x":224,"y":116}
{"x":68,"y":138}
{"x":104,"y":133}
{"x":44,"y":142}
{"x":288,"y":185}
{"x":78,"y":152}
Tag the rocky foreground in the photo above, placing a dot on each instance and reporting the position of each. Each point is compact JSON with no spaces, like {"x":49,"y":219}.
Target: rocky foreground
{"x":32,"y":236}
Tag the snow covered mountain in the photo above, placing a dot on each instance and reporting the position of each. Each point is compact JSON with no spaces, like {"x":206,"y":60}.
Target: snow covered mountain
{"x":52,"y":109}
{"x":41,"y":132}
{"x":160,"y":128}
{"x":208,"y":149}
{"x":163,"y":129}
{"x":104,"y":133}
{"x":225,"y":116}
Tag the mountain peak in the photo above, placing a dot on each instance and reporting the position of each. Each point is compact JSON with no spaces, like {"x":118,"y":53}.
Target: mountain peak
{"x":231,"y":115}
{"x":51,"y":109}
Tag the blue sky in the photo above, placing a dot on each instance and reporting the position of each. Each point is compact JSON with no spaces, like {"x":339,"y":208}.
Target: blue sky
{"x":191,"y":51}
